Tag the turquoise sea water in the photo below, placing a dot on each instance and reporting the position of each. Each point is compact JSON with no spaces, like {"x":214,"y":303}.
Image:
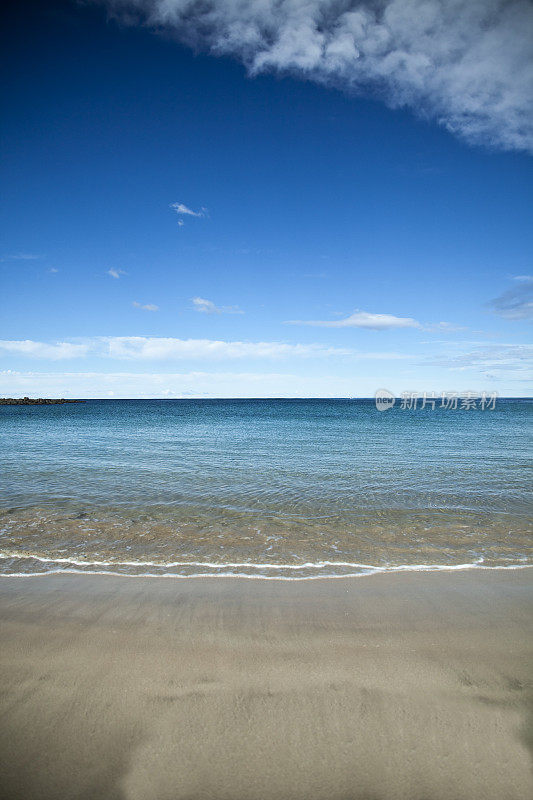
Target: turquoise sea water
{"x":272,"y":488}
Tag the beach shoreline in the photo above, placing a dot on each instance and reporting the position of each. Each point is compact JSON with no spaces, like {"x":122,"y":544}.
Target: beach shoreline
{"x":371,"y":571}
{"x":411,"y":685}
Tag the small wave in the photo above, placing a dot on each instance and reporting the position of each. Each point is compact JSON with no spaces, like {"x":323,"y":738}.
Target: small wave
{"x":259,"y":571}
{"x":207,"y":564}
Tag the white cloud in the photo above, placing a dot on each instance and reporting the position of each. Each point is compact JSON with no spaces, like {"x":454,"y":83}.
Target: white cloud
{"x":363,"y":319}
{"x":235,"y":384}
{"x":59,"y":350}
{"x":444,"y":327}
{"x":116,"y":273}
{"x":205,"y":306}
{"x":181,"y":208}
{"x":147,"y":348}
{"x":498,"y":358}
{"x":169,"y":385}
{"x":465,"y":63}
{"x":145,"y":306}
{"x":208,"y":307}
{"x":163,"y":348}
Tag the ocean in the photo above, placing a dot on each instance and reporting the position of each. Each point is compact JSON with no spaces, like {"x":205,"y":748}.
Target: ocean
{"x":263,"y":488}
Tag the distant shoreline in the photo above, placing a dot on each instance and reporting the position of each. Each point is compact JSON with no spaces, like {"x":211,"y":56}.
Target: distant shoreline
{"x":47,"y":401}
{"x":38,"y":401}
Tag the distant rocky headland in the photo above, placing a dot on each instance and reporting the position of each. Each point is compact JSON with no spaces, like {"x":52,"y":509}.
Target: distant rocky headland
{"x":30,"y":401}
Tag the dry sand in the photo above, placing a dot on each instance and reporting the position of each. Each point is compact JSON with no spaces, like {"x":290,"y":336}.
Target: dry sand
{"x":415,"y":686}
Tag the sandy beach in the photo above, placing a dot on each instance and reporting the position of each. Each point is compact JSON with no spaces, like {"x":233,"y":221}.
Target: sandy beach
{"x":413,"y":686}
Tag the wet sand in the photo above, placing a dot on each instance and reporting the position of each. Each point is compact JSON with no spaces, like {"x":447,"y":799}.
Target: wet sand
{"x":415,"y":686}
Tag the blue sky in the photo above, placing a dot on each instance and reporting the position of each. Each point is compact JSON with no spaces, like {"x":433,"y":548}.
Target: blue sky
{"x":336,"y":245}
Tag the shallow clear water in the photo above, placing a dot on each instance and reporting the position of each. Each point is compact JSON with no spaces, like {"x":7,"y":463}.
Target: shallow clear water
{"x":277,"y":488}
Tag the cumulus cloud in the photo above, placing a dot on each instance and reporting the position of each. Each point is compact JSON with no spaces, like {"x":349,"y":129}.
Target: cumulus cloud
{"x":465,"y":63}
{"x":515,"y":303}
{"x":116,"y":273}
{"x":145,"y":306}
{"x":362,"y":319}
{"x":208,"y":307}
{"x":59,"y":350}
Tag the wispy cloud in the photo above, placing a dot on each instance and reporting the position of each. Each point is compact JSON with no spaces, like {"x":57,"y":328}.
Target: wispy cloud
{"x":204,"y":306}
{"x":174,"y":384}
{"x":146,"y":348}
{"x":157,"y":348}
{"x":516,"y":303}
{"x":183,"y":210}
{"x":362,"y":319}
{"x":116,"y":273}
{"x":444,"y":327}
{"x":53,"y":270}
{"x":145,"y":306}
{"x":464,"y":63}
{"x":208,"y":307}
{"x":54,"y":352}
{"x":495,"y":358}
{"x":222,"y":383}
{"x":21,"y":257}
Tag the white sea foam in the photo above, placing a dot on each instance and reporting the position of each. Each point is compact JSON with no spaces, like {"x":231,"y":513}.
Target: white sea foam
{"x":225,"y":570}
